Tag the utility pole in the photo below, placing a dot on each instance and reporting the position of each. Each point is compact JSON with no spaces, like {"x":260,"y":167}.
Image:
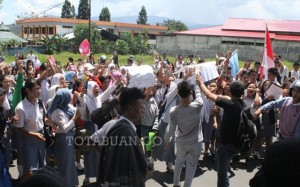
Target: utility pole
{"x":90,"y":22}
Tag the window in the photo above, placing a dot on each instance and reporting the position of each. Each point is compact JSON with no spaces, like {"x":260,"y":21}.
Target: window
{"x":230,"y":42}
{"x":67,"y":27}
{"x":43,"y":30}
{"x":25,"y":30}
{"x":259,"y":44}
{"x":246,"y":43}
{"x":51,"y":32}
{"x":152,"y":36}
{"x":36,"y":30}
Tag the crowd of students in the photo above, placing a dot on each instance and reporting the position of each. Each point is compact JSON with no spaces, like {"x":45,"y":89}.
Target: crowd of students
{"x":182,"y":111}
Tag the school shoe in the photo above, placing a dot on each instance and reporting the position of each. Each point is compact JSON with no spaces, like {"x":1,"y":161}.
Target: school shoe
{"x":247,"y":161}
{"x":86,"y":181}
{"x":256,"y":155}
{"x":151,"y":167}
{"x":170,"y":170}
{"x":79,"y":167}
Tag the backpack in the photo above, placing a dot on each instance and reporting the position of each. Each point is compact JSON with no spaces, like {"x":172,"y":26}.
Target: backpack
{"x":247,"y":132}
{"x":50,"y":138}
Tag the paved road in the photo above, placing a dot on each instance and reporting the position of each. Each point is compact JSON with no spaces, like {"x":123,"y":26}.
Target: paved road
{"x":206,"y":175}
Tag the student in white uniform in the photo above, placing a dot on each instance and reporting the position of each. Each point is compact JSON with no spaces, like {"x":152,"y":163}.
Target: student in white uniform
{"x":64,"y":115}
{"x":31,"y":125}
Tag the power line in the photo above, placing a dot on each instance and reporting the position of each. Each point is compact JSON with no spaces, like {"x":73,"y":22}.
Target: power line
{"x":50,"y":8}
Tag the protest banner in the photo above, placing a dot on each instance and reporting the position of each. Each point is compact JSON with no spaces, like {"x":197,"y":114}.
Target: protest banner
{"x":208,"y":70}
{"x":141,"y":76}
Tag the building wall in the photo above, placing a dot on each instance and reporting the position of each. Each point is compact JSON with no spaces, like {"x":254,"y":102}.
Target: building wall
{"x":208,"y":46}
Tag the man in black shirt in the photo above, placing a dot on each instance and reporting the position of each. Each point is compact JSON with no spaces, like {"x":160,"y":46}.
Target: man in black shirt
{"x":229,"y":126}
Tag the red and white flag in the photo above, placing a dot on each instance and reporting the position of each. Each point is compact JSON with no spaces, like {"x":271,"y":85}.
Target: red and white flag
{"x":267,"y":57}
{"x":84,"y":47}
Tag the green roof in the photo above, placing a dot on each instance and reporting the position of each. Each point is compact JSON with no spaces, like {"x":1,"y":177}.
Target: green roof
{"x":6,"y":35}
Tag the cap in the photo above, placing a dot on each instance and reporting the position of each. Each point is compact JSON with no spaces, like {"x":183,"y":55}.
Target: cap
{"x":296,"y":84}
{"x":131,"y":56}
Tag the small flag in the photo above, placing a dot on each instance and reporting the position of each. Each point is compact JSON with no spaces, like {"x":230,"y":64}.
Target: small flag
{"x":267,"y":61}
{"x":234,"y":63}
{"x":84,"y":48}
{"x":51,"y":59}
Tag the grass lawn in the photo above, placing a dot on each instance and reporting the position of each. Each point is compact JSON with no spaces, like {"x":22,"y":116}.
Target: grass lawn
{"x":147,"y":59}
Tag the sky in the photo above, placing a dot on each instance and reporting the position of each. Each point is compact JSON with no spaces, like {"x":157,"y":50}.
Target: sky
{"x":209,"y":12}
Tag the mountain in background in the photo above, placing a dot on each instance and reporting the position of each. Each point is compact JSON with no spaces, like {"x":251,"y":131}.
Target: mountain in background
{"x":152,"y":20}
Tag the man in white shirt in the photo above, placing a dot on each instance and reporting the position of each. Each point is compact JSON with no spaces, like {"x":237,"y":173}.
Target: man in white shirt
{"x":283,"y":71}
{"x":295,"y":72}
{"x":36,"y":62}
{"x":31,"y":56}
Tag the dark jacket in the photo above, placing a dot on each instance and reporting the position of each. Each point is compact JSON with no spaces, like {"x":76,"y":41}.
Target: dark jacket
{"x":123,"y":162}
{"x":104,"y":114}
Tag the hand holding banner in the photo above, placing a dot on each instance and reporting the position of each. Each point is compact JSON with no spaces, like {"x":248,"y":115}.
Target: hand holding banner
{"x":84,"y":47}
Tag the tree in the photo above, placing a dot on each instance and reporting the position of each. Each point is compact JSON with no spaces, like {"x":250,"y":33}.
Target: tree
{"x":54,"y":45}
{"x":81,"y":32}
{"x":73,"y":12}
{"x":83,"y":10}
{"x":142,"y":19}
{"x":66,"y":11}
{"x":173,"y":25}
{"x":104,"y":15}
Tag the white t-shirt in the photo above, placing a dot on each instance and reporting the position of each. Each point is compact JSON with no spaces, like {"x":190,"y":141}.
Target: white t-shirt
{"x":295,"y":74}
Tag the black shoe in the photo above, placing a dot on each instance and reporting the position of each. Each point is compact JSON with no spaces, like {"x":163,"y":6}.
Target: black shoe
{"x":151,"y":167}
{"x":247,"y":163}
{"x":171,"y":171}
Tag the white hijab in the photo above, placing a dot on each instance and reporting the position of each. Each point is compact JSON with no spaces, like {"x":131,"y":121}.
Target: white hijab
{"x":56,"y":78}
{"x":92,"y":102}
{"x":51,"y":94}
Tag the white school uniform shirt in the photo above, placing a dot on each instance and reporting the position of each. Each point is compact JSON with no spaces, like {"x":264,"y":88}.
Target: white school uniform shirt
{"x":285,"y":73}
{"x":31,"y":57}
{"x":30,"y":116}
{"x":295,"y":74}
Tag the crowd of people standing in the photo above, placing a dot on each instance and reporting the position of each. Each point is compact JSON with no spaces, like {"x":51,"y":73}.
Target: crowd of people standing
{"x":182,"y":111}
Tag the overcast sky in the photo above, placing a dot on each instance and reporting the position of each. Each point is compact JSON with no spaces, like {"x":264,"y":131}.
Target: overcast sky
{"x":212,"y":12}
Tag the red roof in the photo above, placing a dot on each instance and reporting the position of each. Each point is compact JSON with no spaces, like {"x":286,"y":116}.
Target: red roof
{"x":217,"y":31}
{"x":251,"y":28}
{"x":260,"y":25}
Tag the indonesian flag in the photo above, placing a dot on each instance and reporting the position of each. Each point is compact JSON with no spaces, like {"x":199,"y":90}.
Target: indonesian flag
{"x":84,"y":47}
{"x":267,"y":58}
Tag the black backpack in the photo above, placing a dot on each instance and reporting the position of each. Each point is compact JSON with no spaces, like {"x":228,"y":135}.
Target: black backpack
{"x":247,"y":133}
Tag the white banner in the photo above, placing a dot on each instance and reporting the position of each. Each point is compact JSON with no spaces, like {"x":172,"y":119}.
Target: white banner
{"x":141,"y":76}
{"x":208,"y":70}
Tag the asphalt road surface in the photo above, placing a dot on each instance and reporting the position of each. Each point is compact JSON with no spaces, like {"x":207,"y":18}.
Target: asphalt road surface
{"x":205,"y":176}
